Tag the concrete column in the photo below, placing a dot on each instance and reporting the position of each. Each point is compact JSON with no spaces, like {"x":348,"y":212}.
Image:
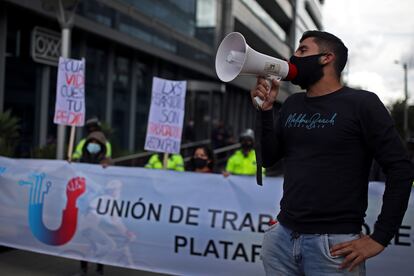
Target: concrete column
{"x":61,"y":129}
{"x":109,"y":87}
{"x":132,"y":106}
{"x":406,"y":130}
{"x":227,"y":18}
{"x":293,"y":25}
{"x":3,"y":41}
{"x":82,"y":54}
{"x":44,"y":105}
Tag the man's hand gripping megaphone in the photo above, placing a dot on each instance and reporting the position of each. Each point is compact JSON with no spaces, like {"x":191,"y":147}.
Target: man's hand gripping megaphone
{"x":265,"y":92}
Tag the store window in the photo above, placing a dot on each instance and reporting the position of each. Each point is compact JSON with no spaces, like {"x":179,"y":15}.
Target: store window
{"x":177,"y":14}
{"x":143,"y":79}
{"x":121,"y":102}
{"x":206,"y":20}
{"x":23,"y":80}
{"x":96,"y":75}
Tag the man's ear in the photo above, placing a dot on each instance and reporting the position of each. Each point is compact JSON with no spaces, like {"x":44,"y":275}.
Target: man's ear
{"x":327,"y":58}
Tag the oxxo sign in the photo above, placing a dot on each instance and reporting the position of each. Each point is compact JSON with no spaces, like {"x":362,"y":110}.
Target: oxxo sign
{"x":46,"y":46}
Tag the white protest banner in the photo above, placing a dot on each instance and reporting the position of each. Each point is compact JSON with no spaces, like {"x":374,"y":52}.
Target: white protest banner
{"x":70,"y":92}
{"x":179,"y":223}
{"x":165,"y":121}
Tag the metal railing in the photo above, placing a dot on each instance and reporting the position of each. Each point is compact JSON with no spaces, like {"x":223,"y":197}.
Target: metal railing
{"x":221,"y":156}
{"x":139,"y":159}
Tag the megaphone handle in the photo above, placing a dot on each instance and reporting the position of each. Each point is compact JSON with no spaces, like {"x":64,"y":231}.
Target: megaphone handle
{"x":259,"y":102}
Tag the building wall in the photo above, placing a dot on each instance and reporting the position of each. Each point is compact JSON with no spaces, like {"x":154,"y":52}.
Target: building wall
{"x":308,"y":17}
{"x":125,"y":44}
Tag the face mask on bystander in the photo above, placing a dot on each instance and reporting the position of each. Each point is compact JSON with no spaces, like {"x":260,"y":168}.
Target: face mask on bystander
{"x":93,"y":148}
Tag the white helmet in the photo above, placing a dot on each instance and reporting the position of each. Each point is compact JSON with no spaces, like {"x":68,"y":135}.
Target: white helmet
{"x":247,"y":133}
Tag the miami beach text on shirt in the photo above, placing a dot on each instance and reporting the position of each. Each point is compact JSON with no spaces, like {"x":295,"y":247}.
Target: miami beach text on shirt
{"x":310,"y":121}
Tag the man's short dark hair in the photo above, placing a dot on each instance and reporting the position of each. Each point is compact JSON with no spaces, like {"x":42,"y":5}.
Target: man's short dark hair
{"x":328,"y":42}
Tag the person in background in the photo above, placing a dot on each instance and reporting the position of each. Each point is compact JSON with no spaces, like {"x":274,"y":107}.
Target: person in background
{"x":106,"y":236}
{"x":94,"y":149}
{"x":243,"y":161}
{"x":189,"y":132}
{"x":94,"y":152}
{"x":202,"y":160}
{"x":91,"y":125}
{"x":175,"y":162}
{"x":220,"y":136}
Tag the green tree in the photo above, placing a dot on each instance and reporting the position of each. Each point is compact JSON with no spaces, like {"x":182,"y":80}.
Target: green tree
{"x":9,"y":133}
{"x":397,"y":113}
{"x":45,"y":152}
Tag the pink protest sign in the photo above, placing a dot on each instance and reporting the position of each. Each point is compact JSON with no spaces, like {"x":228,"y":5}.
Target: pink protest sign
{"x":70,"y":93}
{"x":165,"y":121}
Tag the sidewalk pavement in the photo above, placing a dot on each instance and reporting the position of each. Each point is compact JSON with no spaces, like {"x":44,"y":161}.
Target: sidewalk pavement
{"x":14,"y":262}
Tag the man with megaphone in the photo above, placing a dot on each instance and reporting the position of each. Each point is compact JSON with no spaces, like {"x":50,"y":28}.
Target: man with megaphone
{"x":328,"y":137}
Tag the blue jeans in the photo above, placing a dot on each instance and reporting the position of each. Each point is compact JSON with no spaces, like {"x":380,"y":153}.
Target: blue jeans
{"x":288,"y":253}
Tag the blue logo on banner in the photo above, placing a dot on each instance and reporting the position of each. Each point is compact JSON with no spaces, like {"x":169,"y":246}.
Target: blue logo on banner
{"x":2,"y":170}
{"x":38,"y":190}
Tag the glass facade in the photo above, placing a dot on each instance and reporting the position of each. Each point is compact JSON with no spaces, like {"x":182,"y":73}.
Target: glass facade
{"x":97,"y":12}
{"x":95,"y":84}
{"x":179,"y":16}
{"x":265,"y":18}
{"x":119,"y":75}
{"x":24,"y":82}
{"x":143,"y":89}
{"x":121,"y":99}
{"x":206,"y":21}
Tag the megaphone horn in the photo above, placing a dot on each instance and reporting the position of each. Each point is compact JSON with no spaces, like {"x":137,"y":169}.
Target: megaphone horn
{"x":235,"y":57}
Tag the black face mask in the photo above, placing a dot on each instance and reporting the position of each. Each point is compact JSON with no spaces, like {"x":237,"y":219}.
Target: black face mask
{"x":246,"y":145}
{"x":199,"y":163}
{"x":309,"y":70}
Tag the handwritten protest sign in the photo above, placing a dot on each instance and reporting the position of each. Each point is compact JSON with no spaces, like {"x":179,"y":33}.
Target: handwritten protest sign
{"x":165,"y":121}
{"x":70,"y":92}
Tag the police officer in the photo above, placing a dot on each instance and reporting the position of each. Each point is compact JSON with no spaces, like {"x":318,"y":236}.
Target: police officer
{"x":175,"y":162}
{"x":243,"y":161}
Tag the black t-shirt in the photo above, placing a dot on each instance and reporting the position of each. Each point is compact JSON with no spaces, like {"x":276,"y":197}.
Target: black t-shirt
{"x":328,"y":143}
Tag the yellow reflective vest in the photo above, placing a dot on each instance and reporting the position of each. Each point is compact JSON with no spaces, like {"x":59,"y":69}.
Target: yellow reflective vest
{"x":243,"y":165}
{"x":79,"y":148}
{"x":175,"y":162}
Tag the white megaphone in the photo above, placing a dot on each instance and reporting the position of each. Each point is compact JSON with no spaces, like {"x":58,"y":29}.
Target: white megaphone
{"x":235,"y":57}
